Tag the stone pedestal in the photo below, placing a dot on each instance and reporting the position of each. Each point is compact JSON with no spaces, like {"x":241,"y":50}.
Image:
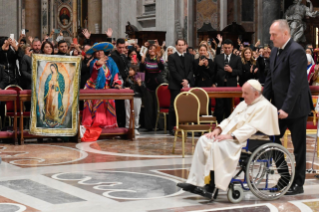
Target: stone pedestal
{"x":270,"y":11}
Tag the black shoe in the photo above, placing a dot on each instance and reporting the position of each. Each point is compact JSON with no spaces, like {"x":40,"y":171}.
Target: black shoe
{"x":317,"y":176}
{"x":187,"y":187}
{"x":282,"y":183}
{"x":295,"y":189}
{"x":171,"y":132}
{"x":202,"y":191}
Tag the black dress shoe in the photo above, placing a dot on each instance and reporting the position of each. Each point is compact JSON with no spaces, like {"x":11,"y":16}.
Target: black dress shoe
{"x":187,"y":187}
{"x":203,"y":191}
{"x":295,"y":189}
{"x":282,"y":183}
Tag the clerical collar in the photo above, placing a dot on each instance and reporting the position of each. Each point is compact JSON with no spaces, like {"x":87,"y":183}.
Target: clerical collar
{"x":179,"y":54}
{"x":283,"y":47}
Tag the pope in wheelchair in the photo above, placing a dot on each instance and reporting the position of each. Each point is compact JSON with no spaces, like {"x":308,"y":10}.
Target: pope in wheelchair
{"x":268,"y":170}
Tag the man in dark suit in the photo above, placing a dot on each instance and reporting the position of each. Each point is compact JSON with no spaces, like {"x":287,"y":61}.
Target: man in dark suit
{"x":122,"y":64}
{"x":287,"y":87}
{"x":180,"y":67}
{"x":227,"y":68}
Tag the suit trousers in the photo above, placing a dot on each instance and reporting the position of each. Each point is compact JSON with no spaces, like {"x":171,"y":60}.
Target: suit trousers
{"x":171,"y":114}
{"x":297,"y":128}
{"x":120,"y":112}
{"x":150,"y":109}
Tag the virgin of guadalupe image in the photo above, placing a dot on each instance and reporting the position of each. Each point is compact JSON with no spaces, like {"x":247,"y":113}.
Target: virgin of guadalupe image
{"x":54,"y":88}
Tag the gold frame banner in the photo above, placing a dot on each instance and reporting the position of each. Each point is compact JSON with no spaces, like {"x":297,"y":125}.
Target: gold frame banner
{"x":55,"y":95}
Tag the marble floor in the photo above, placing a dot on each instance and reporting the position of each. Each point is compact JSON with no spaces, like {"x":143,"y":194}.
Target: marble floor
{"x":119,"y":175}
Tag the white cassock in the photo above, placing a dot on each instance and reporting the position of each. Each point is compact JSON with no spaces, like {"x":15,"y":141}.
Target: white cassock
{"x":222,"y":157}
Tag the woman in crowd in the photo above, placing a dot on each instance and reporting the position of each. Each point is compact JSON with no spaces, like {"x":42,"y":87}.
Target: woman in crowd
{"x":250,"y":66}
{"x":165,"y":74}
{"x":203,"y":69}
{"x":152,"y":65}
{"x":210,"y":54}
{"x":47,"y":48}
{"x":312,"y":71}
{"x":134,"y":82}
{"x":104,"y":75}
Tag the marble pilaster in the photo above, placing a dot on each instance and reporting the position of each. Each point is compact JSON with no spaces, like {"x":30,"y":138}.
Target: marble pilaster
{"x":9,"y":18}
{"x":110,"y":18}
{"x":271,"y":11}
{"x":33,"y":17}
{"x":94,"y":14}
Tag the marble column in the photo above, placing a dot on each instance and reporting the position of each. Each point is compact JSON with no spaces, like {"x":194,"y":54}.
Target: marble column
{"x":271,"y":11}
{"x":94,"y":15}
{"x":33,"y":17}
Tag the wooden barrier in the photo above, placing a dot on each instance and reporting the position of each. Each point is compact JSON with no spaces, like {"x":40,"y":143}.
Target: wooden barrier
{"x":10,"y":95}
{"x":115,"y":94}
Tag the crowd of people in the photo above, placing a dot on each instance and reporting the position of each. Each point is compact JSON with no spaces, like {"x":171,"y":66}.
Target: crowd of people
{"x":211,"y":64}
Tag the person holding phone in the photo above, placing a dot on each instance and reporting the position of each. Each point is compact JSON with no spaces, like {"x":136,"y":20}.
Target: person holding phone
{"x":250,"y":67}
{"x":228,"y":67}
{"x":203,"y":69}
{"x":152,"y":65}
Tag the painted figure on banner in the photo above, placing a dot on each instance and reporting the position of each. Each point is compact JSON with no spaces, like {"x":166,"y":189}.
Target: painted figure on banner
{"x":54,"y":89}
{"x":64,"y":16}
{"x":53,"y":95}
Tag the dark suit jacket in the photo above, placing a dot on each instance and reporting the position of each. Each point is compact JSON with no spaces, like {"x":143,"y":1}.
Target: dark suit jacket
{"x":220,"y":74}
{"x":122,"y":66}
{"x":177,"y":73}
{"x":286,"y":83}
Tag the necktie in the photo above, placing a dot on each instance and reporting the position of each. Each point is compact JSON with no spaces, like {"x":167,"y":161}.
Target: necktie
{"x":227,"y":60}
{"x":279,"y":52}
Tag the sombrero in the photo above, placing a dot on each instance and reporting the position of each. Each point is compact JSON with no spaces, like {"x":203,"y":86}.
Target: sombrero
{"x":105,"y":46}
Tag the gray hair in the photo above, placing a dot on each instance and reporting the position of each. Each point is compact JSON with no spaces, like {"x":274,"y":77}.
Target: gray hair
{"x":283,"y":25}
{"x":35,"y":40}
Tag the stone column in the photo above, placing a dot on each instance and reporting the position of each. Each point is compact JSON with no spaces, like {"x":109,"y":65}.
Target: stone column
{"x":33,"y":17}
{"x":271,"y":11}
{"x":94,"y":14}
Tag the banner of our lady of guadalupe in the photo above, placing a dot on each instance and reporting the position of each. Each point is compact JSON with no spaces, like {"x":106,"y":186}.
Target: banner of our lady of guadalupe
{"x":55,"y":95}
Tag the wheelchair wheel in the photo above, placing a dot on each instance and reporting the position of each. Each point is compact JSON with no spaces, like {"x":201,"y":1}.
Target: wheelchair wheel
{"x":267,"y":168}
{"x":235,"y":195}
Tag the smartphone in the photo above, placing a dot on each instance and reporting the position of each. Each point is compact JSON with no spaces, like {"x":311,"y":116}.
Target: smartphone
{"x":246,"y":43}
{"x":75,"y":40}
{"x":12,"y":36}
{"x":151,"y":42}
{"x":134,"y":58}
{"x":56,"y":31}
{"x":23,"y":31}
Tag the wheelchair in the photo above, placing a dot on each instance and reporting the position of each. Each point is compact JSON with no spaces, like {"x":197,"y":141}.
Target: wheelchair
{"x":263,"y":163}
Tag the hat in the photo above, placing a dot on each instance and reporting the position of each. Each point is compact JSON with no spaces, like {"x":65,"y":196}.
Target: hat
{"x":255,"y":84}
{"x":106,"y":47}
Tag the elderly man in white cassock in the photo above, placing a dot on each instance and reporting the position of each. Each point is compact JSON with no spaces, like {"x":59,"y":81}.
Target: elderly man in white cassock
{"x":217,"y":153}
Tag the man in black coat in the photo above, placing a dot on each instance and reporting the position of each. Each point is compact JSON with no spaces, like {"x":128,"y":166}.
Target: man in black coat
{"x":180,"y":67}
{"x":287,"y":87}
{"x":122,"y":64}
{"x":228,"y":67}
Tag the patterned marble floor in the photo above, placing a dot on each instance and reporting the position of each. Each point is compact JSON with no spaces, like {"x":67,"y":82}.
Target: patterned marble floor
{"x":120,"y":175}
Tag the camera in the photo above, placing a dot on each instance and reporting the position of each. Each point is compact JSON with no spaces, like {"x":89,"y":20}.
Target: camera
{"x":203,"y":57}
